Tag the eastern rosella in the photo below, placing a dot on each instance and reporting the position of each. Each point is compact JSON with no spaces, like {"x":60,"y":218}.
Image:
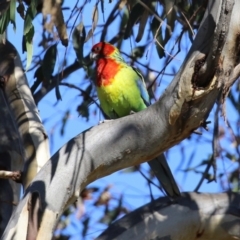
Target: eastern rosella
{"x":121,"y":90}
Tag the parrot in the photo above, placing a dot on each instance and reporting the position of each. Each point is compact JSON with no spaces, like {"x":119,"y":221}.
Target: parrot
{"x":121,"y":91}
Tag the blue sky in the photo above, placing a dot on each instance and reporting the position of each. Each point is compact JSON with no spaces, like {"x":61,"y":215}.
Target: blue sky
{"x":133,"y":186}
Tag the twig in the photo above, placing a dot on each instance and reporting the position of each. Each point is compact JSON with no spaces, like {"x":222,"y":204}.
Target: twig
{"x":148,"y":179}
{"x":15,"y":175}
{"x":188,"y":23}
{"x":232,"y":79}
{"x":215,"y":140}
{"x":237,"y":149}
{"x":81,"y":90}
{"x":155,"y":15}
{"x":178,"y":40}
{"x":212,"y":162}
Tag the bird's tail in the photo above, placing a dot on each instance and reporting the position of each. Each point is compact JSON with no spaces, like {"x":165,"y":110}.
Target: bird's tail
{"x":164,"y":175}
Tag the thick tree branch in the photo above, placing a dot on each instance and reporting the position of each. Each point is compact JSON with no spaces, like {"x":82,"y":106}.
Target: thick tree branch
{"x":194,"y":216}
{"x":137,"y":138}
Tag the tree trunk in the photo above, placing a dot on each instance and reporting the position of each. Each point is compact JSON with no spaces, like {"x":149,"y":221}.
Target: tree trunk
{"x":11,"y":159}
{"x":24,"y":146}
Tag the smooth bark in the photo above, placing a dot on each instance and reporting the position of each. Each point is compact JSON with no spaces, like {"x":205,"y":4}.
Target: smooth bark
{"x":194,"y":216}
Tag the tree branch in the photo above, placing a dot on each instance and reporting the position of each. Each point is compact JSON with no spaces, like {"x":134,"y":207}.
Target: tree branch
{"x":209,"y":216}
{"x":14,"y":175}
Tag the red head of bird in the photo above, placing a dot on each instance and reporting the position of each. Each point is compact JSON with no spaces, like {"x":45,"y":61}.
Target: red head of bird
{"x":105,"y":50}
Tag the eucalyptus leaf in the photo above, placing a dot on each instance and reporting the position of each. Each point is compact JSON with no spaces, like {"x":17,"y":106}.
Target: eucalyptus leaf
{"x":39,"y":78}
{"x":49,"y":61}
{"x":29,"y":46}
{"x":135,"y":15}
{"x":94,"y":23}
{"x":78,"y":38}
{"x":4,"y":21}
{"x":12,"y":13}
{"x":28,"y":31}
{"x":159,"y":43}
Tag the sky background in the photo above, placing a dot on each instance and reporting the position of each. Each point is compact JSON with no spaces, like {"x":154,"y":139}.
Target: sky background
{"x":132,"y":186}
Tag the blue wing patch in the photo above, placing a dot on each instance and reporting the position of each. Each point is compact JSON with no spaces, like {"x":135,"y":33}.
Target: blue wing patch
{"x":142,"y":87}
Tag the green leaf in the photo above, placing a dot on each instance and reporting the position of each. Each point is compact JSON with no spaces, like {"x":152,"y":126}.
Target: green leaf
{"x":30,"y":14}
{"x":170,"y":15}
{"x":85,"y":223}
{"x":88,"y":93}
{"x":21,"y":10}
{"x":159,"y":39}
{"x":135,"y":15}
{"x":29,"y":31}
{"x":49,"y":61}
{"x":78,"y":38}
{"x":12,"y":13}
{"x":142,"y":25}
{"x":64,"y":122}
{"x":38,"y":73}
{"x":29,"y":46}
{"x":4,"y":21}
{"x":138,"y":51}
{"x":57,"y":91}
{"x":124,"y":19}
{"x":30,"y":34}
{"x":27,"y":24}
{"x":231,"y":157}
{"x":39,"y":78}
{"x":123,"y":23}
{"x":102,"y":9}
{"x":94,"y":23}
{"x":83,"y":109}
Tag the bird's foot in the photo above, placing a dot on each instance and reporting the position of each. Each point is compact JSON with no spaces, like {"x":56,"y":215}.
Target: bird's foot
{"x":105,"y":120}
{"x":196,"y":132}
{"x":132,"y":112}
{"x":204,"y":124}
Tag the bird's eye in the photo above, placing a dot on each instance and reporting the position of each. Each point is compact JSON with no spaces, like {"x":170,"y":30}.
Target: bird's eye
{"x":97,"y":49}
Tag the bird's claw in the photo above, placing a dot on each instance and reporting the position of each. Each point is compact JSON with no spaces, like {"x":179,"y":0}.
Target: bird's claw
{"x":204,"y":124}
{"x":132,"y":112}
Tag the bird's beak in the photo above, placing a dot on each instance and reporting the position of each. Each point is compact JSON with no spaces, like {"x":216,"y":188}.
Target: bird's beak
{"x":93,"y":56}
